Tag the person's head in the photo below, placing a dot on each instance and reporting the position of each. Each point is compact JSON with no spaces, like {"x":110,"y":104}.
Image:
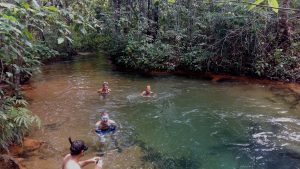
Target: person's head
{"x":105,"y":84}
{"x":104,"y":116}
{"x":148,"y":88}
{"x":77,"y":147}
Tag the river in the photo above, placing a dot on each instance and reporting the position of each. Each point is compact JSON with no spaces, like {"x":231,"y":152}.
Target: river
{"x":191,"y":123}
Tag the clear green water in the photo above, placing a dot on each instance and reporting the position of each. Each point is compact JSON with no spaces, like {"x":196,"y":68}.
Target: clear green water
{"x":191,"y":123}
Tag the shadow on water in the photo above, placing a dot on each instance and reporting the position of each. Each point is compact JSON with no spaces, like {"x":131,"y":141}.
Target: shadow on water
{"x":56,"y":125}
{"x":162,"y":161}
{"x":287,"y":96}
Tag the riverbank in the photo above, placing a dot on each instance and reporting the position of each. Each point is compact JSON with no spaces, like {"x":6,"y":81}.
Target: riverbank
{"x":218,"y":77}
{"x":215,"y":77}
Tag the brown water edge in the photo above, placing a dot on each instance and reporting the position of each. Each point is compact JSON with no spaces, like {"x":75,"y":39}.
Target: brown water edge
{"x":215,"y":77}
{"x":12,"y":158}
{"x":71,"y":56}
{"x":224,"y":77}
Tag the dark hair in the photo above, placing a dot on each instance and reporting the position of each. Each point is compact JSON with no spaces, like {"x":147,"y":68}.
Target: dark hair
{"x":77,"y":146}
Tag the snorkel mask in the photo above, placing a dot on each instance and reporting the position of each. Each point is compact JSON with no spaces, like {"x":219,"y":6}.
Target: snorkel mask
{"x":104,"y":118}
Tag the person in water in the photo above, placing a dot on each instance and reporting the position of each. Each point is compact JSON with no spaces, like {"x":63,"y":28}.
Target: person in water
{"x":105,"y":89}
{"x":105,"y":125}
{"x":77,"y":151}
{"x":147,"y":92}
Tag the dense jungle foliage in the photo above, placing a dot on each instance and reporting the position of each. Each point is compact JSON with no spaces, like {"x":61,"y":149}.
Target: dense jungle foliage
{"x":258,"y":38}
{"x":30,"y":32}
{"x":233,"y":37}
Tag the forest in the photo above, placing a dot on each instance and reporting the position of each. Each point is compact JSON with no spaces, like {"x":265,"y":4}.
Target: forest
{"x":257,"y":38}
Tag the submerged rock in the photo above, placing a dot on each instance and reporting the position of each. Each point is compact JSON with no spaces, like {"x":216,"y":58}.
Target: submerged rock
{"x":130,"y":157}
{"x":8,"y":162}
{"x":27,"y":146}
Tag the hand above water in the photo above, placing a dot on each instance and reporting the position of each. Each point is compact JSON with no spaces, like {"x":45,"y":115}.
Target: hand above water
{"x":95,"y":159}
{"x":99,"y":164}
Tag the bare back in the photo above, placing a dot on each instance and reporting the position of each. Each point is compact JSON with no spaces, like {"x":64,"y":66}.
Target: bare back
{"x":69,"y":163}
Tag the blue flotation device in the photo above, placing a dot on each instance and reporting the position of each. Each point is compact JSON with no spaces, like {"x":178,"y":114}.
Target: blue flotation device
{"x":110,"y":130}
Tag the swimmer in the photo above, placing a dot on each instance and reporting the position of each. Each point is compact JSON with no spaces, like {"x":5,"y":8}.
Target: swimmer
{"x":77,"y":151}
{"x":147,"y":92}
{"x":105,"y":123}
{"x":105,"y":126}
{"x":105,"y":89}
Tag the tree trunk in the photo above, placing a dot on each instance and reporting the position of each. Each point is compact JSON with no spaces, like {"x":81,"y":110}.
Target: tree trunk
{"x":117,"y":5}
{"x":284,"y":27}
{"x":149,"y":12}
{"x":155,"y":25}
{"x":17,"y":76}
{"x":128,"y":15}
{"x":190,"y":23}
{"x":149,"y":18}
{"x":142,"y":11}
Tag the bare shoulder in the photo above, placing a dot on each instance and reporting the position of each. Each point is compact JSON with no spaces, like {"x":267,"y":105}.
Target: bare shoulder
{"x":71,"y":164}
{"x":66,"y":158}
{"x":111,"y":121}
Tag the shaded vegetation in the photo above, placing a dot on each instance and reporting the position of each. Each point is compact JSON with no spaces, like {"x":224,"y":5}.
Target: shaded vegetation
{"x":30,"y":32}
{"x":201,"y":36}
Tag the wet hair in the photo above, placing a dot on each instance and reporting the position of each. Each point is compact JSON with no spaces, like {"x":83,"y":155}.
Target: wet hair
{"x":77,"y":146}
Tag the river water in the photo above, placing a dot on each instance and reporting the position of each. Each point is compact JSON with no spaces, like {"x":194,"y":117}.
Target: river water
{"x":190,"y":123}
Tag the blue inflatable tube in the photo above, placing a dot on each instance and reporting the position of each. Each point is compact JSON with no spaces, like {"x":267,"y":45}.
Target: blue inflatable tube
{"x":111,"y":130}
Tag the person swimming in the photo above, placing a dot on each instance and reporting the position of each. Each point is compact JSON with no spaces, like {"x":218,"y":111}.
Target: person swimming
{"x":147,"y":92}
{"x":105,"y":89}
{"x":105,"y":125}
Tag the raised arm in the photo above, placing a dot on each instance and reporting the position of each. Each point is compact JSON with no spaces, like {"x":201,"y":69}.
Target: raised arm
{"x":98,"y":125}
{"x":89,"y":161}
{"x":113,"y":123}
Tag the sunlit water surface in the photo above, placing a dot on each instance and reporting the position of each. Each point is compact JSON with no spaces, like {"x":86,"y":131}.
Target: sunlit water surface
{"x":191,"y":123}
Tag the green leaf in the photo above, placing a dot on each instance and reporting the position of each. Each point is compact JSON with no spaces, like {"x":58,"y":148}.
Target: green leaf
{"x":60,"y":40}
{"x":29,"y":44}
{"x":274,"y":5}
{"x":171,"y":1}
{"x":11,"y":18}
{"x":26,"y":5}
{"x":7,"y":5}
{"x":69,"y":39}
{"x":83,"y":31}
{"x":28,"y":34}
{"x":35,"y":4}
{"x":52,"y":8}
{"x":257,"y":2}
{"x":9,"y":74}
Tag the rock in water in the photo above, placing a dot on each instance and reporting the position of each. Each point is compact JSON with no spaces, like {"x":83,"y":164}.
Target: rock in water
{"x":27,"y":146}
{"x":8,"y":162}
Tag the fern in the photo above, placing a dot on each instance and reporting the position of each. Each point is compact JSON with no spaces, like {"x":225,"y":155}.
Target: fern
{"x":15,"y":121}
